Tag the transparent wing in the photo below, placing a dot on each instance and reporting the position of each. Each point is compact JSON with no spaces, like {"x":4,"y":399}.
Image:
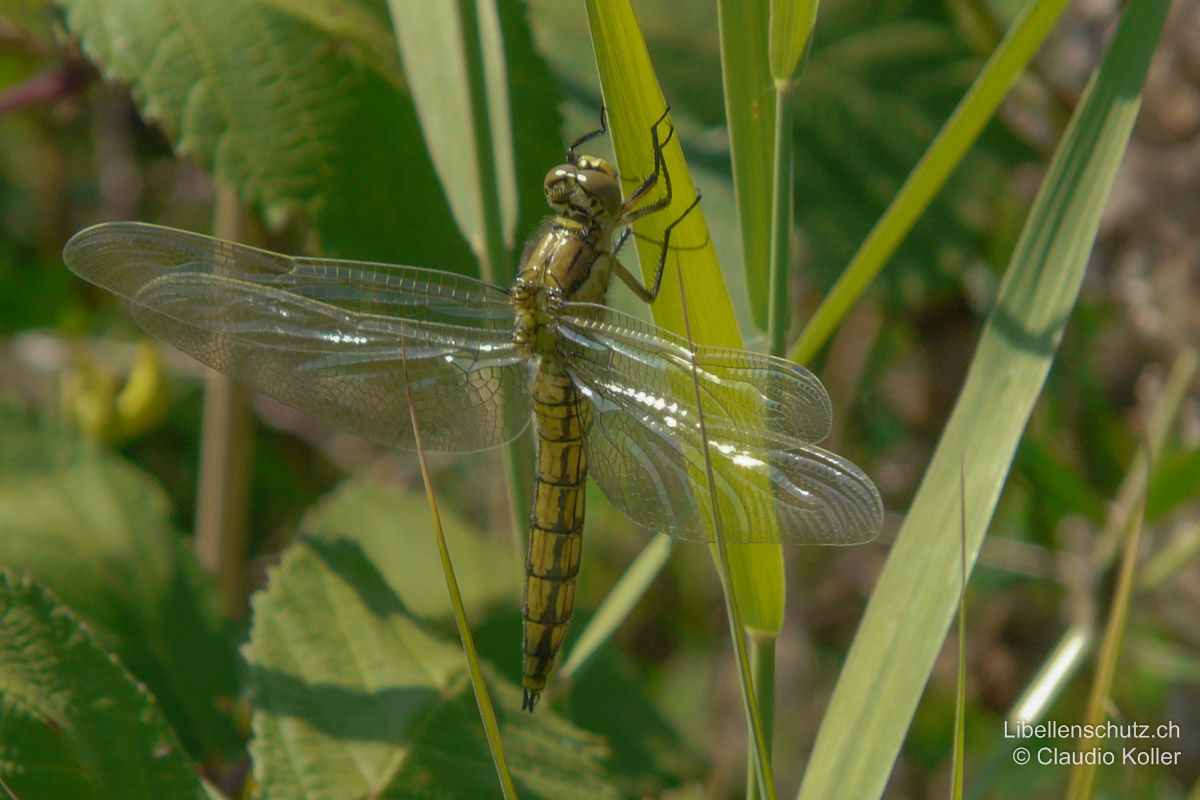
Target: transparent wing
{"x":331,"y":338}
{"x":761,"y":414}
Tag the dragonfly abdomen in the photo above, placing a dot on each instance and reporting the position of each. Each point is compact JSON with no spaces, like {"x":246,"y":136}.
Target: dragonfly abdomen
{"x":556,"y":523}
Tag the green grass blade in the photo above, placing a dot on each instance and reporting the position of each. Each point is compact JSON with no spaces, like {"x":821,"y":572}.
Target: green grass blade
{"x":453,"y":60}
{"x":960,"y":693}
{"x":779,"y":303}
{"x":750,"y":119}
{"x":752,"y":576}
{"x":762,"y":667}
{"x":760,"y":754}
{"x":791,"y":28}
{"x":487,"y":711}
{"x":947,"y":150}
{"x":635,"y":101}
{"x":618,"y":604}
{"x":1083,"y":775}
{"x":914,"y":601}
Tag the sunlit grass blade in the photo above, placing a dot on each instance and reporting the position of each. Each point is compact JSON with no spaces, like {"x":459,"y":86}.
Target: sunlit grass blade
{"x":1083,"y":774}
{"x":618,"y":604}
{"x":1065,"y":660}
{"x":791,"y":26}
{"x":487,"y":712}
{"x":750,"y":120}
{"x":948,"y":148}
{"x":791,"y":30}
{"x":760,"y":755}
{"x":958,"y":754}
{"x":635,"y":101}
{"x":752,"y":576}
{"x":914,"y":601}
{"x":454,"y":64}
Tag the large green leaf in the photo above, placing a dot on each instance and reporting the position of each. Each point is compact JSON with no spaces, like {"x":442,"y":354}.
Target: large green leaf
{"x":357,"y":697}
{"x":296,"y":107}
{"x":95,"y":531}
{"x":918,"y":591}
{"x":73,"y":722}
{"x":392,"y":528}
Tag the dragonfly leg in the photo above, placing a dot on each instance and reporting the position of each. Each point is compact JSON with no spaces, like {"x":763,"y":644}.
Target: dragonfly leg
{"x":629,"y":213}
{"x":587,"y":137}
{"x":650,"y":294}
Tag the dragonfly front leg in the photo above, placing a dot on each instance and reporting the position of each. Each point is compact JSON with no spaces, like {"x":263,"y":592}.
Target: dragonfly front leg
{"x":629,"y":211}
{"x":650,"y":294}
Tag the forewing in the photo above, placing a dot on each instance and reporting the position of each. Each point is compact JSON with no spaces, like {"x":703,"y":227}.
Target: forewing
{"x":124,"y":256}
{"x":761,"y":414}
{"x":343,"y":341}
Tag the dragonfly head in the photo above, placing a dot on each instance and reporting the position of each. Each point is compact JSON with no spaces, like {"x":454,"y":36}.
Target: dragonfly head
{"x":586,"y":189}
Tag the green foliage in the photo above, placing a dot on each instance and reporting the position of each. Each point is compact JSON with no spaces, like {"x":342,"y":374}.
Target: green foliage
{"x":356,"y":696}
{"x":357,"y":683}
{"x":299,"y":111}
{"x":391,"y":527}
{"x":95,"y":531}
{"x":73,"y":722}
{"x":893,"y":651}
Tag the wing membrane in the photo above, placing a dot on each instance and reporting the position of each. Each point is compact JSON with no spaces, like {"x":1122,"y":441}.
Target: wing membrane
{"x":761,"y":414}
{"x":331,"y":338}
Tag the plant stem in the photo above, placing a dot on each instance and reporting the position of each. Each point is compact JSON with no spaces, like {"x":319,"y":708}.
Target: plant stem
{"x":226,"y":454}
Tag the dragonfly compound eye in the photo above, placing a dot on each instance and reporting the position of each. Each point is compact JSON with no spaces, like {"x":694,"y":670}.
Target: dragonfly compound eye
{"x":603,"y":189}
{"x":561,"y":182}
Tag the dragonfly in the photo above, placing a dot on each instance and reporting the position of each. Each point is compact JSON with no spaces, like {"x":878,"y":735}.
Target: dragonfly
{"x":362,"y":346}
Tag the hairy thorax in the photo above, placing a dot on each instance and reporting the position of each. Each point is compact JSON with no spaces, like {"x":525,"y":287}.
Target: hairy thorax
{"x":567,"y":260}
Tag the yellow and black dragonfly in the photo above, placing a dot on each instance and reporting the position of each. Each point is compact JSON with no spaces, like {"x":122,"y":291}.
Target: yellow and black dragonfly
{"x":351,"y":342}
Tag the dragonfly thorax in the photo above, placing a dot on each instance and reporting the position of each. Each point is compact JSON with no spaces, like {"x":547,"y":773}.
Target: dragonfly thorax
{"x":586,"y":190}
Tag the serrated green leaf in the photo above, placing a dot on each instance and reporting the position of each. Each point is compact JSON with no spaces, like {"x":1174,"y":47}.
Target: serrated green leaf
{"x":95,"y":531}
{"x":73,"y":722}
{"x":291,"y":107}
{"x":393,"y":529}
{"x":906,"y":620}
{"x":356,"y":698}
{"x":360,"y":28}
